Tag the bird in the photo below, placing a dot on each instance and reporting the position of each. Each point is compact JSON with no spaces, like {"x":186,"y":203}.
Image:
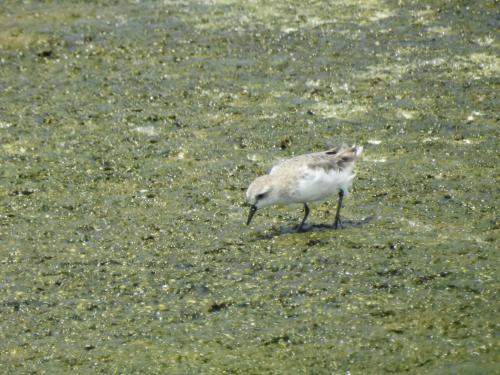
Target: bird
{"x":304,"y":179}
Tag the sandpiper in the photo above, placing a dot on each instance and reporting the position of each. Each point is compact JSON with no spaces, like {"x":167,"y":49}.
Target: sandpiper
{"x":306,"y":178}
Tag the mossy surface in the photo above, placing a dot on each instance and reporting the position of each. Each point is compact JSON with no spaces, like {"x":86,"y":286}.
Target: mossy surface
{"x":129,"y":131}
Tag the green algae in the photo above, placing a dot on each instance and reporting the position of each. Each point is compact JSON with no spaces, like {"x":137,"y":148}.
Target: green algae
{"x":130,"y":130}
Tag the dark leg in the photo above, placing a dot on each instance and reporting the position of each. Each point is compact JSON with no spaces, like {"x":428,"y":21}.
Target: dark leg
{"x":337,"y":224}
{"x":306,"y":213}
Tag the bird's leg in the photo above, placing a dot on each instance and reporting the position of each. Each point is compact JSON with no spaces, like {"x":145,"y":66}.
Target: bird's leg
{"x":337,"y":224}
{"x":306,"y":213}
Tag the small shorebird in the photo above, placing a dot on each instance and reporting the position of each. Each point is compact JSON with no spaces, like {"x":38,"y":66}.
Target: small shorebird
{"x":306,"y":178}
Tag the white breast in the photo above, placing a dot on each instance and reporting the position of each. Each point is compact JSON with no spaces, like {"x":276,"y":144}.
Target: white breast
{"x":317,"y":184}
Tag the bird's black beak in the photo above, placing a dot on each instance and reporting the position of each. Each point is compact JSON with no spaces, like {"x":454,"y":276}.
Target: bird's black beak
{"x":253,"y":209}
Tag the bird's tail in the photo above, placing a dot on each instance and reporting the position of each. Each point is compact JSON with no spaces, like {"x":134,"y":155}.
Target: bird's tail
{"x":357,"y":150}
{"x":350,"y":154}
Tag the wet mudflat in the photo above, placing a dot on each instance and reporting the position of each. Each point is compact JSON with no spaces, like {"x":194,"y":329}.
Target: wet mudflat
{"x":130,"y":130}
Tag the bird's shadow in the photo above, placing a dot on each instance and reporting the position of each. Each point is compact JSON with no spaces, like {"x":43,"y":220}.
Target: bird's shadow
{"x":346,"y":223}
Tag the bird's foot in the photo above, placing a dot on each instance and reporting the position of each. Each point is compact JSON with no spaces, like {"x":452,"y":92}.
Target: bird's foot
{"x":337,"y":224}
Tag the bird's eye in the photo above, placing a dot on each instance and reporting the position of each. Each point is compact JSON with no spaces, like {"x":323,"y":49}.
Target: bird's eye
{"x":260,"y":196}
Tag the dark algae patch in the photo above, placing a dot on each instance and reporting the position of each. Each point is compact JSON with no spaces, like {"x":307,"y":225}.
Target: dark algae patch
{"x":130,"y":130}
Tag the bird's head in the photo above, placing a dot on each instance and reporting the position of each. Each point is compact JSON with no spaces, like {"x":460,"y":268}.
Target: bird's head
{"x":260,"y":193}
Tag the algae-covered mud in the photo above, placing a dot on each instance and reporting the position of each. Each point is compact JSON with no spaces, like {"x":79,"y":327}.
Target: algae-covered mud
{"x":130,"y":130}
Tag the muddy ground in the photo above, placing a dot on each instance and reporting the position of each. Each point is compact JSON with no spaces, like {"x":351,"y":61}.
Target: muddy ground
{"x":130,"y":130}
